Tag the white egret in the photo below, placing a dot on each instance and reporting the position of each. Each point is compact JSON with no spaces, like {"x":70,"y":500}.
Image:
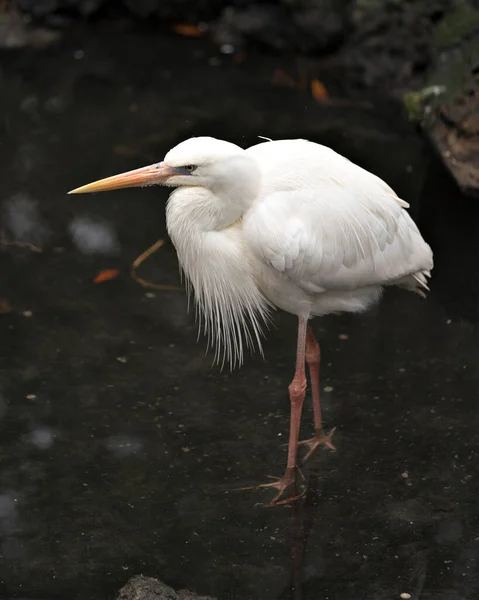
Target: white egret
{"x":289,"y":224}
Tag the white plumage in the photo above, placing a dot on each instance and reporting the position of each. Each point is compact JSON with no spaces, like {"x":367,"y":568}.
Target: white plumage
{"x":288,"y":224}
{"x":307,"y":231}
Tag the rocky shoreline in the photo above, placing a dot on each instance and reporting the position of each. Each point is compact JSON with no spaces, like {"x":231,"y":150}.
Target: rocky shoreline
{"x":425,"y":52}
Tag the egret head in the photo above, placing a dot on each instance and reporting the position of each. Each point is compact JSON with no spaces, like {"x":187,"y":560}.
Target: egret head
{"x":201,"y":162}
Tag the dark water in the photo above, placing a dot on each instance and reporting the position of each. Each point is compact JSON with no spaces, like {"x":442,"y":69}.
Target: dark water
{"x":121,"y":447}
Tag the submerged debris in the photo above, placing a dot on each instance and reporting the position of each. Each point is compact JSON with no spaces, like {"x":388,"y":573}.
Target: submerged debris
{"x":138,"y":261}
{"x":31,"y":247}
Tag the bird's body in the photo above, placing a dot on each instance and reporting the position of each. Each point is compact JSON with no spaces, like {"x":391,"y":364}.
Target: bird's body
{"x":289,"y":224}
{"x":314,"y":234}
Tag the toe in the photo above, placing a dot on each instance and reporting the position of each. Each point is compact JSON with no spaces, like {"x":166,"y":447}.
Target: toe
{"x":320,"y":439}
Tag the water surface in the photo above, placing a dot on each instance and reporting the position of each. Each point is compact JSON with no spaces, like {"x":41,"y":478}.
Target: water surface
{"x":122,"y":446}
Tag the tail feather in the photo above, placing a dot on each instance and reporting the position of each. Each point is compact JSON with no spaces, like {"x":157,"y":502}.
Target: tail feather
{"x":416,"y":282}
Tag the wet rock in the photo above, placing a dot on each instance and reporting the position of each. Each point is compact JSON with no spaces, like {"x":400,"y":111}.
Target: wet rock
{"x":294,"y":25}
{"x":389,"y":44}
{"x":448,"y":107}
{"x":184,"y":10}
{"x":320,"y":26}
{"x":266,"y":24}
{"x":384,"y":44}
{"x":304,"y":26}
{"x":15,"y":32}
{"x":149,"y":588}
{"x":141,"y":8}
{"x":455,"y":133}
{"x":176,"y":10}
{"x":41,"y":8}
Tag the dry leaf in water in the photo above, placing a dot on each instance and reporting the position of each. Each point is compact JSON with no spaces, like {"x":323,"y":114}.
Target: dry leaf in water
{"x":319,"y":91}
{"x":106,"y":275}
{"x":186,"y":30}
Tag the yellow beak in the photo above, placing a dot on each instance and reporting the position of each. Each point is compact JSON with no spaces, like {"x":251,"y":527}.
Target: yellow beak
{"x":156,"y":174}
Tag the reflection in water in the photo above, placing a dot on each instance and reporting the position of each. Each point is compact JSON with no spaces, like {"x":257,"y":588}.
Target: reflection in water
{"x":94,"y":236}
{"x":308,"y":569}
{"x":10,"y":545}
{"x":42,"y":437}
{"x":301,"y":521}
{"x":21,"y":220}
{"x":450,"y":223}
{"x":122,"y":446}
{"x":120,"y":470}
{"x":3,"y":405}
{"x":7,"y":506}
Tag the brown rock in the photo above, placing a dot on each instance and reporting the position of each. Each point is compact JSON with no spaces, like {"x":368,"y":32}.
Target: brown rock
{"x":455,"y":134}
{"x":149,"y":588}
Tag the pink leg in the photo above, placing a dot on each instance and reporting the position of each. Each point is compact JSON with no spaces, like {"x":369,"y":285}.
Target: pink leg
{"x":313,"y":358}
{"x":297,"y":392}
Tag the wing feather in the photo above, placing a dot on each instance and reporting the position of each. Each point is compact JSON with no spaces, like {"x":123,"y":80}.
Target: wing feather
{"x":333,"y":239}
{"x":328,"y":224}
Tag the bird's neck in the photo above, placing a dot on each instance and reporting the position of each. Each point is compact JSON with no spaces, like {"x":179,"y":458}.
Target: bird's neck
{"x":219,"y":269}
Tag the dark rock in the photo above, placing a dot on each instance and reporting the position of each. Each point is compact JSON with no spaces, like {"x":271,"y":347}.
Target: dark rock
{"x":447,"y":109}
{"x":149,"y":588}
{"x":390,"y":43}
{"x":295,"y":25}
{"x":381,"y":44}
{"x":458,"y":145}
{"x":320,"y":27}
{"x":455,"y":134}
{"x":15,"y":32}
{"x":264,"y":24}
{"x":176,"y":10}
{"x":301,"y":26}
{"x":41,"y":8}
{"x":146,"y":588}
{"x":141,"y":8}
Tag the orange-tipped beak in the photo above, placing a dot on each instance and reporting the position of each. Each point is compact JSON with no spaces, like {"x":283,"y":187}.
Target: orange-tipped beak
{"x":156,"y":174}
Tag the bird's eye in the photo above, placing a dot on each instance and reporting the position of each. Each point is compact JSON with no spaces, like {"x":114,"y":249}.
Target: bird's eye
{"x":190,"y":168}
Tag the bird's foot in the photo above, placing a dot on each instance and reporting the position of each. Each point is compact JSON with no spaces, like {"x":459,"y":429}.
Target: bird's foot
{"x":320,"y":439}
{"x":282,"y":484}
